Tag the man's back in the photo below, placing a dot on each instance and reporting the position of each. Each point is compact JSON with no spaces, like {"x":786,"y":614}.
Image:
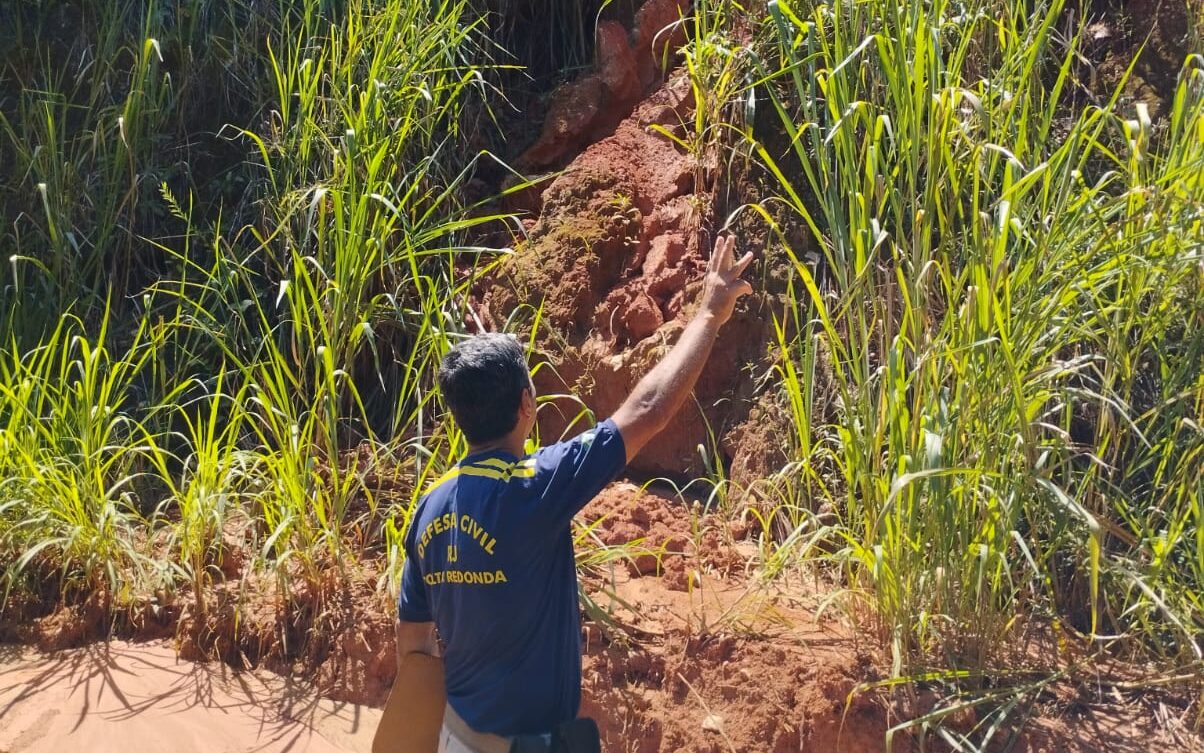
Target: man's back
{"x":490,"y":561}
{"x":489,"y":557}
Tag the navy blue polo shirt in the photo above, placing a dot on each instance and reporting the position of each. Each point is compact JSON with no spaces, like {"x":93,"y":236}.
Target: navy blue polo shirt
{"x":489,"y":558}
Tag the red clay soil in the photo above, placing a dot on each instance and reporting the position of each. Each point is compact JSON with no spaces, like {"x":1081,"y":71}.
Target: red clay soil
{"x":615,"y":260}
{"x":721,"y":692}
{"x":700,"y":658}
{"x":685,"y":650}
{"x":677,"y":541}
{"x":627,"y":66}
{"x":615,"y":257}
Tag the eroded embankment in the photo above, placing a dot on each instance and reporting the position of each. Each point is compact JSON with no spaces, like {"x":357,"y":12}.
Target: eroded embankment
{"x":615,"y":254}
{"x":615,"y":261}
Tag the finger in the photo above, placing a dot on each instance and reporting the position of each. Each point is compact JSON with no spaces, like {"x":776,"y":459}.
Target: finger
{"x":739,"y":267}
{"x":744,"y":287}
{"x":713,"y":263}
{"x":724,"y":248}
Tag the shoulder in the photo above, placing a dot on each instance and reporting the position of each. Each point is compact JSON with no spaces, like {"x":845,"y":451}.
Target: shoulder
{"x":601,"y":439}
{"x":433,"y":498}
{"x":440,"y":486}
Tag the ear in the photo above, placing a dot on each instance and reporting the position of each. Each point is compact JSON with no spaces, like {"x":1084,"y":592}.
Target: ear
{"x":526,"y":405}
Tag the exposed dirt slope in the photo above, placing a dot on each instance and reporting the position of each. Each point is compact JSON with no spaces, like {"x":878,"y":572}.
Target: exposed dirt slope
{"x":615,"y":261}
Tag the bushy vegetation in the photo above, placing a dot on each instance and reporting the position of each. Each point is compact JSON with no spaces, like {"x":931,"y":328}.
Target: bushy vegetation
{"x":236,"y":247}
{"x":231,"y":231}
{"x":993,"y":339}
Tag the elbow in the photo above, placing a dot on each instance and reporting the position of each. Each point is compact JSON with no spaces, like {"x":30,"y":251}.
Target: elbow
{"x":639,"y":421}
{"x":643,"y":415}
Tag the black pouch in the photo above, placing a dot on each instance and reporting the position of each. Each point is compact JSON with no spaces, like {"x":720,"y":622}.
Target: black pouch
{"x":532,"y":744}
{"x":577,"y":736}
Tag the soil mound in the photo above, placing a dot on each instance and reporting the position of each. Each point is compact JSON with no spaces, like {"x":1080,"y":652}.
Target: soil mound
{"x":615,"y":261}
{"x":627,"y":64}
{"x":722,"y":692}
{"x":700,"y":656}
{"x":676,"y":540}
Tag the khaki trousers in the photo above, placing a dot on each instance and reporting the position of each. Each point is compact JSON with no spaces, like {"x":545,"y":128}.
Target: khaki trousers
{"x":458,"y":737}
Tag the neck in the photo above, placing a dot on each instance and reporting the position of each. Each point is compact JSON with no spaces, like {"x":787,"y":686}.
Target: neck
{"x":511,"y":443}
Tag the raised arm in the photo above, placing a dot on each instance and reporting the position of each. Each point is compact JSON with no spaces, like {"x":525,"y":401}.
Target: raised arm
{"x":661,"y":392}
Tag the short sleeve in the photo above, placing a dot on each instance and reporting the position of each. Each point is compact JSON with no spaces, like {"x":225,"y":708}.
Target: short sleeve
{"x":576,"y":470}
{"x":412,"y":605}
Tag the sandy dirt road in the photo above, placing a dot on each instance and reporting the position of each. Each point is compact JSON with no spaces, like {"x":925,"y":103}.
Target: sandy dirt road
{"x":130,"y":698}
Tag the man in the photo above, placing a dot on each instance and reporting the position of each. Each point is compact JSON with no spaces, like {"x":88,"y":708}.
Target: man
{"x":489,"y":573}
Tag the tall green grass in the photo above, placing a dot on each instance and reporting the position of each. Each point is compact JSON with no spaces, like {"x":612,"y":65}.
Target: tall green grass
{"x":235,"y":245}
{"x":1001,"y":305}
{"x":70,"y":458}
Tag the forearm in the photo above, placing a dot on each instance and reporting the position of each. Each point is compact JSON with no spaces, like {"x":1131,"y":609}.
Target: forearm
{"x":662,"y":391}
{"x":660,"y":394}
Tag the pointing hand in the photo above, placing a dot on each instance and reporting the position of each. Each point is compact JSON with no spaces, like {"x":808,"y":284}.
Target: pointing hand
{"x":723,"y":285}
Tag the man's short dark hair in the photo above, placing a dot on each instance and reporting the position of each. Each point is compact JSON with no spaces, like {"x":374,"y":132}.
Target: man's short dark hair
{"x":482,"y":380}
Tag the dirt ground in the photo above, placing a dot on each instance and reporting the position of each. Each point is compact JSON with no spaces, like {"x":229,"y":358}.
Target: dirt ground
{"x":124,"y":697}
{"x":685,"y":650}
{"x":710,"y":659}
{"x":707,"y":659}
